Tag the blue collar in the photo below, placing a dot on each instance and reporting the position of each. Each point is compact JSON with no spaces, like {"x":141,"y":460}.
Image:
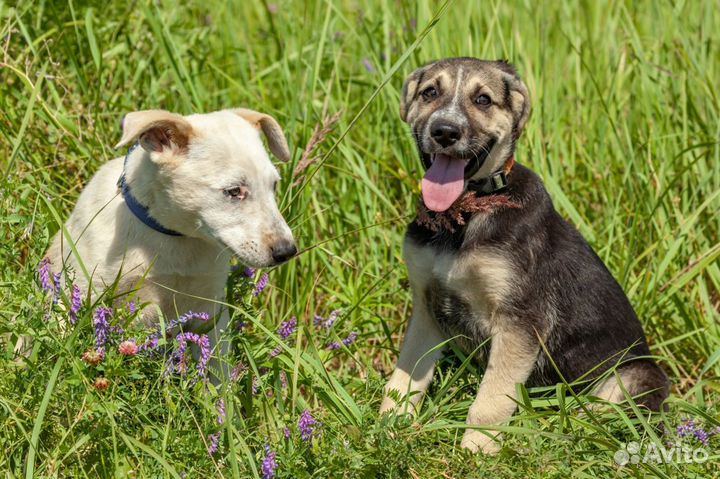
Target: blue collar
{"x":138,"y":209}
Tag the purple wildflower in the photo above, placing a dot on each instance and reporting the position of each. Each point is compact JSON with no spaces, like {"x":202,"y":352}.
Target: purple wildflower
{"x":56,"y":282}
{"x":75,"y":303}
{"x":269,"y":464}
{"x":276,"y":352}
{"x":178,"y":360}
{"x":255,"y":385}
{"x":238,"y":371}
{"x":153,"y":340}
{"x":221,"y":411}
{"x":249,"y":272}
{"x":287,"y":328}
{"x":283,"y":380}
{"x":306,"y":426}
{"x":368,"y":65}
{"x":214,"y":440}
{"x":261,"y":285}
{"x":44,"y":273}
{"x":329,"y":322}
{"x":286,"y":432}
{"x":350,"y":339}
{"x":102,"y":326}
{"x":690,"y":429}
{"x":149,"y":345}
{"x":132,"y":307}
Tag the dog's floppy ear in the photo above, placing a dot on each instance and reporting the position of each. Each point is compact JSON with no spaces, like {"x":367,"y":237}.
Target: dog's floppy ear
{"x":409,"y":90}
{"x":156,"y":130}
{"x":520,"y":98}
{"x":521,"y":106}
{"x":272,"y":130}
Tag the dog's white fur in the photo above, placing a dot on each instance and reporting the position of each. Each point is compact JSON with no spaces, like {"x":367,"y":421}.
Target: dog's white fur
{"x":181,"y":172}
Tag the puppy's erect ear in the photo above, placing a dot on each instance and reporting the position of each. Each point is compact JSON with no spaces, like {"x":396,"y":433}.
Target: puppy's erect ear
{"x":156,"y":129}
{"x":409,"y":90}
{"x":272,"y":130}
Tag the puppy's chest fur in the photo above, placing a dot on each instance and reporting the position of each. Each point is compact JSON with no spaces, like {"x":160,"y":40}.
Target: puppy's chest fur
{"x":461,"y":290}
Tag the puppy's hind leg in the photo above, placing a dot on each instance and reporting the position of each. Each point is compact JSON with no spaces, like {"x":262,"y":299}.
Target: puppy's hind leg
{"x":642,"y":379}
{"x":420,"y":351}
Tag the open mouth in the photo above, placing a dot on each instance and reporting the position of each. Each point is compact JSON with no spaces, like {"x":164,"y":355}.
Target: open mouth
{"x":444,"y":180}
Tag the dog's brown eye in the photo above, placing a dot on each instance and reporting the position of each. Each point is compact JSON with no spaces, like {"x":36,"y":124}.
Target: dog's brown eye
{"x":483,"y":100}
{"x":236,"y":192}
{"x":429,"y":93}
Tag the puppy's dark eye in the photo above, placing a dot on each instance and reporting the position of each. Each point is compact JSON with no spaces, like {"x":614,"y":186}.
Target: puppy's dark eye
{"x":429,"y":93}
{"x":483,"y":100}
{"x":236,"y":192}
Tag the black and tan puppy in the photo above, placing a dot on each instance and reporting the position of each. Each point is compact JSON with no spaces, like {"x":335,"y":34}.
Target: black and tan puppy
{"x":489,"y":258}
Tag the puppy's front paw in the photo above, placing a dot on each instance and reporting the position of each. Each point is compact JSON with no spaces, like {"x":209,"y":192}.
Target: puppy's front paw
{"x":388,"y":405}
{"x":477,"y":441}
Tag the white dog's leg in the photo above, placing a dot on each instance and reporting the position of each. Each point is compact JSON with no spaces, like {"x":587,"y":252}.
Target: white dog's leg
{"x":512,"y":357}
{"x":417,"y":360}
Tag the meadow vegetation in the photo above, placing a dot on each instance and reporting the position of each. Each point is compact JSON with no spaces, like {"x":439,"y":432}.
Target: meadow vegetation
{"x":624,"y":133}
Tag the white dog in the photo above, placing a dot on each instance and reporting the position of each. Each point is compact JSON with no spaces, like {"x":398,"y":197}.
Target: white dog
{"x":164,"y":221}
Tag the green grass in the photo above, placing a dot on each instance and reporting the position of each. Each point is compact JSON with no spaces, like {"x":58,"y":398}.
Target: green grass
{"x":624,"y":132}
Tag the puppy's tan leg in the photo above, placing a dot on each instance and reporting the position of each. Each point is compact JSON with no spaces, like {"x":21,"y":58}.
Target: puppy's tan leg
{"x":512,"y":357}
{"x":416,"y":364}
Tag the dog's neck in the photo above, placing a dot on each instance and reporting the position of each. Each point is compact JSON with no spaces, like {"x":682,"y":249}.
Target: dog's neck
{"x":494,"y":183}
{"x":483,"y":195}
{"x":138,"y":208}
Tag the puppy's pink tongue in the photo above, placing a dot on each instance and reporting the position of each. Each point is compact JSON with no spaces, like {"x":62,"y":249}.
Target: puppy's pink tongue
{"x":443,"y":183}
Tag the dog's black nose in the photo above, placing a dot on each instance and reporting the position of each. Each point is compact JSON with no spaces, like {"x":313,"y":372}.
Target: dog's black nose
{"x":445,"y":134}
{"x":283,"y":250}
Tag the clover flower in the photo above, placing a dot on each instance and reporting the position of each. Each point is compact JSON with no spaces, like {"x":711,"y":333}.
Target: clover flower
{"x":306,"y":426}
{"x":101,"y":383}
{"x":93,"y":356}
{"x":128,"y":348}
{"x":75,"y":303}
{"x":269,"y":464}
{"x":261,"y":285}
{"x":213,"y":442}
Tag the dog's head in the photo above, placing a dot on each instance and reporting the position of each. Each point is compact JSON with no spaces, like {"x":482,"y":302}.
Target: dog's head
{"x":465,"y":115}
{"x":209,"y":176}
